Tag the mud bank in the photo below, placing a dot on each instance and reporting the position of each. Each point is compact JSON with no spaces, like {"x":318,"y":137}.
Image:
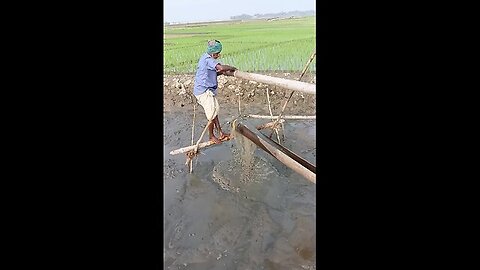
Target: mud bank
{"x":252,"y":95}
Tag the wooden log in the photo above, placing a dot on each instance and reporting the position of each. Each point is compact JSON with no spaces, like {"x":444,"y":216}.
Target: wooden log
{"x":304,"y":87}
{"x":192,"y":147}
{"x":287,"y":117}
{"x":287,"y":157}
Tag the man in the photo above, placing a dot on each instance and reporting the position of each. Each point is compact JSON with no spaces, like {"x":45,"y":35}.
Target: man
{"x":205,"y":88}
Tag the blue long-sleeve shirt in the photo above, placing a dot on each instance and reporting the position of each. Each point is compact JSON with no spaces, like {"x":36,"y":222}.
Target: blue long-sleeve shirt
{"x":206,"y":76}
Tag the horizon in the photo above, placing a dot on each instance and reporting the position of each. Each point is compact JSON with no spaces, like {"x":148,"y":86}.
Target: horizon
{"x":192,"y":11}
{"x":220,"y":20}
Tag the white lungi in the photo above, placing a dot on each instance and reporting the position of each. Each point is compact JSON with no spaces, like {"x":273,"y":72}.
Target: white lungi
{"x":209,"y":103}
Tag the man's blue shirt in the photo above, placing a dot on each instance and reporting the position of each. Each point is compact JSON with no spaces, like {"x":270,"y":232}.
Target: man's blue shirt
{"x":206,"y":77}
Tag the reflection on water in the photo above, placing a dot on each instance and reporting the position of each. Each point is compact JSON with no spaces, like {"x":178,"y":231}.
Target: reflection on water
{"x":264,"y":219}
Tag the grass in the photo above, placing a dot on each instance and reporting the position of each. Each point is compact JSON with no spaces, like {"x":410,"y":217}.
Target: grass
{"x":260,"y":45}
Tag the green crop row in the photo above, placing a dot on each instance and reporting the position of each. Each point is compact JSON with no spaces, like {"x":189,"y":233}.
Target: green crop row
{"x":284,"y":45}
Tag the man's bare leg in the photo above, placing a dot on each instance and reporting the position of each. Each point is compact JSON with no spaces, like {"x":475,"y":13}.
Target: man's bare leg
{"x":219,"y":129}
{"x":211,"y":135}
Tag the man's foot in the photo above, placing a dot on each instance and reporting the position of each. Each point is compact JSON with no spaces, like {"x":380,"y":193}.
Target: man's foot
{"x":224,"y":136}
{"x":215,"y":140}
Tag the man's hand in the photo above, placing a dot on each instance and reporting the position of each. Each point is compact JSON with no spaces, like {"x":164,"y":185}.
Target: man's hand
{"x":229,"y":72}
{"x":225,"y":70}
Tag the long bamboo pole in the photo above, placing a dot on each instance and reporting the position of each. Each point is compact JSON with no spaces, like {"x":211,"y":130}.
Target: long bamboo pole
{"x":304,"y":87}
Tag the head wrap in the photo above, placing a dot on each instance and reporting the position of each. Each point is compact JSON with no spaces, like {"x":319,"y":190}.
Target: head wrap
{"x":214,"y":46}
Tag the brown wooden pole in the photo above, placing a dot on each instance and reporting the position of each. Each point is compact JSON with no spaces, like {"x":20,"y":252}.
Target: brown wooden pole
{"x":287,"y":157}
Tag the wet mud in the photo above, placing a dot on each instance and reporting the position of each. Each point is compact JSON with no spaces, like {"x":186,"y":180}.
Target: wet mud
{"x":240,"y":208}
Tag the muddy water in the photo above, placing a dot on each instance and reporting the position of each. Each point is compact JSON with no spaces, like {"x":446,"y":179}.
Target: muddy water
{"x":240,"y":208}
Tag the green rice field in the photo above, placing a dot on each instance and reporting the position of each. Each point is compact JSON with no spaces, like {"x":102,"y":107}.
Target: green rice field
{"x":256,"y":45}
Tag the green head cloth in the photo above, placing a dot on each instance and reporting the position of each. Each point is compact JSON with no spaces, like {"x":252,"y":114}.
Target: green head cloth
{"x":214,"y":46}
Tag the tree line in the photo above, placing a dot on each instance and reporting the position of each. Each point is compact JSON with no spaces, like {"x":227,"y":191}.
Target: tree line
{"x":295,"y":13}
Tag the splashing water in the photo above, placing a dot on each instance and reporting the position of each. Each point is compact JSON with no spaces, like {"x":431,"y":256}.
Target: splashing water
{"x":246,"y":172}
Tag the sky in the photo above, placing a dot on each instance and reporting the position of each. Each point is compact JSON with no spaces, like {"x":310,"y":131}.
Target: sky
{"x":209,"y":10}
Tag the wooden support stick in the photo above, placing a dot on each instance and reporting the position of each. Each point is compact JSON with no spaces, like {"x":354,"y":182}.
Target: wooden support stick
{"x":286,"y":117}
{"x":308,"y":64}
{"x":193,"y":124}
{"x":268,"y":125}
{"x":301,"y":76}
{"x":195,"y":147}
{"x":190,"y":159}
{"x":192,"y":147}
{"x":271,"y":114}
{"x":239,"y":110}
